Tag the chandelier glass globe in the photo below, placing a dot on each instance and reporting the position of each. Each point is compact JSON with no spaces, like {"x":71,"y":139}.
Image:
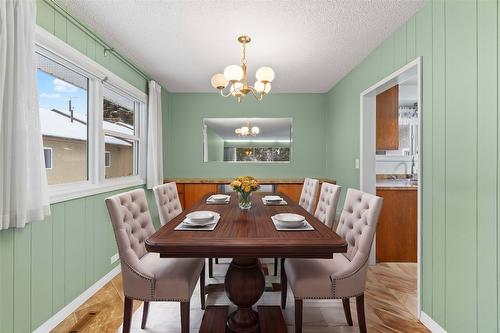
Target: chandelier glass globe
{"x":219,"y":81}
{"x":233,"y":73}
{"x":265,"y":74}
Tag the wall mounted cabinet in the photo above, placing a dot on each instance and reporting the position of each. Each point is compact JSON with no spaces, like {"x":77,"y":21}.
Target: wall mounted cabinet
{"x":387,"y":119}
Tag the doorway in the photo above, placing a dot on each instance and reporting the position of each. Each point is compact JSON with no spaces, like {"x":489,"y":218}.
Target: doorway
{"x":368,"y":148}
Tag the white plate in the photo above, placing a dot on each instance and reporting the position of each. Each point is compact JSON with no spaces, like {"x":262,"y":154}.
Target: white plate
{"x":188,"y":222}
{"x":272,"y":198}
{"x":219,"y":197}
{"x":201,"y":216}
{"x":290,"y":220}
{"x":288,"y":226}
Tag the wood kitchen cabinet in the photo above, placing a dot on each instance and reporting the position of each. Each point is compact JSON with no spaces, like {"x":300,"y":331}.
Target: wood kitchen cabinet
{"x":191,"y":190}
{"x":194,"y":192}
{"x":396,"y":237}
{"x":387,"y":105}
{"x":293,"y":191}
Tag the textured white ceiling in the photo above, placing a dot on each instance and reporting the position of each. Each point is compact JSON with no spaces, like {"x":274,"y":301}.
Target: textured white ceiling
{"x":311,"y":45}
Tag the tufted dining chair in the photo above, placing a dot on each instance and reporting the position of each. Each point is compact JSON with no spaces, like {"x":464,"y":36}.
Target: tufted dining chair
{"x":327,"y":204}
{"x":343,"y":276}
{"x":146,"y":276}
{"x":308,"y":195}
{"x":167,"y":201}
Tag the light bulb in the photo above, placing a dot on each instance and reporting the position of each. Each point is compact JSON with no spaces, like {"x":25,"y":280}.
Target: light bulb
{"x":268,"y":88}
{"x":236,"y":88}
{"x":255,"y":130}
{"x":259,"y":86}
{"x":219,"y":81}
{"x":265,"y":74}
{"x":233,"y":73}
{"x":244,"y":130}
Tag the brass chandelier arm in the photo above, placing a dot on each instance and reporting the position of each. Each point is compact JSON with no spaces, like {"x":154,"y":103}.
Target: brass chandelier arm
{"x":222,"y":93}
{"x":258,"y":96}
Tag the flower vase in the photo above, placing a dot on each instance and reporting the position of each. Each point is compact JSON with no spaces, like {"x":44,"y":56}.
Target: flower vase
{"x":245,"y":200}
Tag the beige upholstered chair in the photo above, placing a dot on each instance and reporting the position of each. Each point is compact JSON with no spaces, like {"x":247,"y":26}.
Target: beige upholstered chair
{"x":169,"y":206}
{"x":307,"y":201}
{"x":344,"y":275}
{"x":308,"y":195}
{"x":327,"y":204}
{"x":146,"y":276}
{"x":167,"y":200}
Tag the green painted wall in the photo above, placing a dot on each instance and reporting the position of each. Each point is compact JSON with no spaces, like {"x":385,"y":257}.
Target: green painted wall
{"x":46,"y":265}
{"x":215,"y":146}
{"x":183,"y":136}
{"x":458,"y":41}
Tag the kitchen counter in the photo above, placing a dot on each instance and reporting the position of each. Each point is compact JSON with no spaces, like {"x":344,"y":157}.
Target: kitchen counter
{"x":397,"y":185}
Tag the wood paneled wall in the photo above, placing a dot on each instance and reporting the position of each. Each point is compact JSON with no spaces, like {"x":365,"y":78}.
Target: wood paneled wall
{"x":458,"y":42}
{"x":46,"y":265}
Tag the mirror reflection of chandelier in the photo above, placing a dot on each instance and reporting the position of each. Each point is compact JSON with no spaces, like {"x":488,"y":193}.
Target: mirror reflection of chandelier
{"x":247,"y":130}
{"x":236,"y":78}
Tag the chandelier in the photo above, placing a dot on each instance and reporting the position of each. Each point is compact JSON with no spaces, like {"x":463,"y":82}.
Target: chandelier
{"x":235,"y":77}
{"x":247,"y":131}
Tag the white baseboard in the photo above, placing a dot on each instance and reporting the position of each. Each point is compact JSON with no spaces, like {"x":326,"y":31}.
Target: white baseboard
{"x":53,"y":321}
{"x":430,"y":323}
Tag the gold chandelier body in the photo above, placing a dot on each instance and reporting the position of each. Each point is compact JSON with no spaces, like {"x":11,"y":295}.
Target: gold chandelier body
{"x":235,"y":77}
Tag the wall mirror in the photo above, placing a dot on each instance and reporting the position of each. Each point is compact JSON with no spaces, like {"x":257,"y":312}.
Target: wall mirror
{"x":247,"y":140}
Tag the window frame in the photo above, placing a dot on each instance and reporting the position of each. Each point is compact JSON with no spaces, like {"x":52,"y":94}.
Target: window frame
{"x":55,"y":49}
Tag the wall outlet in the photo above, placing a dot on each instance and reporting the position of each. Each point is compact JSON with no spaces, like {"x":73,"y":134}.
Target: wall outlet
{"x":114,"y":258}
{"x":356,"y":163}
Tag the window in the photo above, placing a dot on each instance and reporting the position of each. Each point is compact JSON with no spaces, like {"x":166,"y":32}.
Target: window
{"x":408,"y":132}
{"x":62,"y":96}
{"x":107,"y":159}
{"x":121,"y":134}
{"x":47,"y":154}
{"x":93,"y":123}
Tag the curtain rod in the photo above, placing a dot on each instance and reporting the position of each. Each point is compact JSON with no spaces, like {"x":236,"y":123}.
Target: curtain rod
{"x":107,"y":48}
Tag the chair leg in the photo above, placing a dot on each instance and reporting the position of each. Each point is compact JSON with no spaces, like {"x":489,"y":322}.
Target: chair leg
{"x":127,"y":314}
{"x":298,"y":316}
{"x":145,"y":311}
{"x":202,"y":287}
{"x":185,"y":317}
{"x":284,"y":284}
{"x":360,"y":308}
{"x":347,"y":310}
{"x":210,"y":268}
{"x":275,"y":266}
{"x":217,"y":261}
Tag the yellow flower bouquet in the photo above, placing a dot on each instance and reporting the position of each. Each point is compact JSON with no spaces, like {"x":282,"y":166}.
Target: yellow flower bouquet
{"x":245,"y":185}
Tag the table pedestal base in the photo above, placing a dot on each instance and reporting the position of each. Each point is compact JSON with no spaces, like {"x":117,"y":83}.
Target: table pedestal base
{"x":215,"y":319}
{"x":244,"y":284}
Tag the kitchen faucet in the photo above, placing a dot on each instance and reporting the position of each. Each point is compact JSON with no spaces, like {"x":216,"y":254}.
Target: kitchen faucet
{"x":413,"y":169}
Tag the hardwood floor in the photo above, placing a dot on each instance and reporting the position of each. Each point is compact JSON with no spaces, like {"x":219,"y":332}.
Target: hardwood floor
{"x":390,"y":306}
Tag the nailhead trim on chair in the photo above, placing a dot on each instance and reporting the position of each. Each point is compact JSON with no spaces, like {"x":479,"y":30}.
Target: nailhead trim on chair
{"x":327,"y":297}
{"x":152,"y":289}
{"x":345,"y":277}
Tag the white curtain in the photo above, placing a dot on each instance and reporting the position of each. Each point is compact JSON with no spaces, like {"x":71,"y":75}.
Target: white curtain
{"x":155,"y":147}
{"x":23,"y":181}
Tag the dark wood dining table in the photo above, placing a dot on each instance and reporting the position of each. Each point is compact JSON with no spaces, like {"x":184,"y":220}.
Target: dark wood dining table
{"x":246,"y":236}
